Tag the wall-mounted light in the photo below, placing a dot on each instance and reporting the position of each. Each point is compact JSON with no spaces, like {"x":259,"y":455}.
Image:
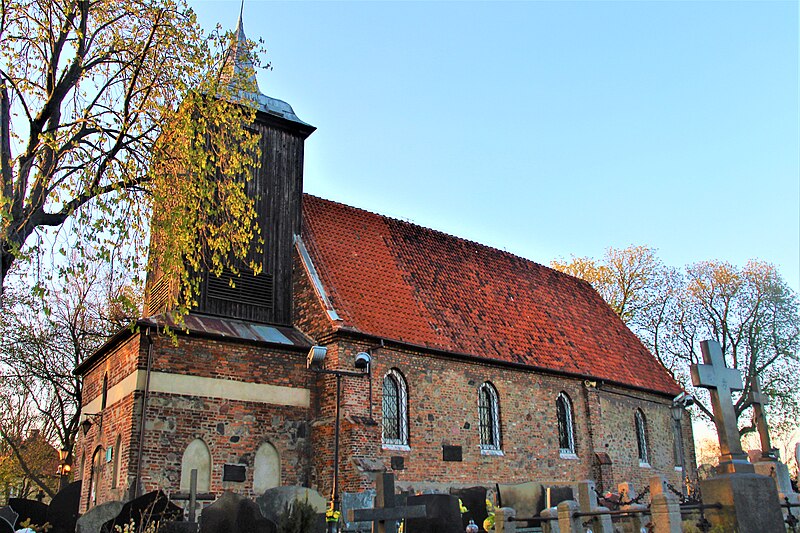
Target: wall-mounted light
{"x":87,"y":423}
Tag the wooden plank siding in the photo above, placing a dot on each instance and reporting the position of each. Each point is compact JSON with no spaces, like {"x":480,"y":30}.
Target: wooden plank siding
{"x":277,"y":189}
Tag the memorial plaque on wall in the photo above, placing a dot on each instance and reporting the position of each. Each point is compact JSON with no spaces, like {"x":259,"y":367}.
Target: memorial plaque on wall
{"x":233,"y":472}
{"x":451,"y":453}
{"x":398,"y":462}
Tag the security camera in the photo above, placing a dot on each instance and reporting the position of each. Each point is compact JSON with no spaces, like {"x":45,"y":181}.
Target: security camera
{"x":363,"y":360}
{"x":316,"y":355}
{"x":683,"y":399}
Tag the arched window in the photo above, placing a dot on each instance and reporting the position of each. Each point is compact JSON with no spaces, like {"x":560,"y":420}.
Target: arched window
{"x":566,"y":435}
{"x":196,"y":457}
{"x":104,"y":397}
{"x":116,"y":458}
{"x":266,"y":469}
{"x":489,"y":413}
{"x":395,"y":409}
{"x":641,"y":437}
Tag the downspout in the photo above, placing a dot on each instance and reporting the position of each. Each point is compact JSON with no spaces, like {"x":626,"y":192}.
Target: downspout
{"x":144,"y":410}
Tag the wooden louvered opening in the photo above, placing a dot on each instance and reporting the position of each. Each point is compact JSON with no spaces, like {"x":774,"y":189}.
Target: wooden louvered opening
{"x":160,"y":297}
{"x":246,"y":289}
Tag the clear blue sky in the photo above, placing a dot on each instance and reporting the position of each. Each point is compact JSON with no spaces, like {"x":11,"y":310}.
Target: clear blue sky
{"x":550,"y":128}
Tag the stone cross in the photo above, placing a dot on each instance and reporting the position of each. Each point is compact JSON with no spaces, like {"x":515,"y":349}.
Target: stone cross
{"x":385,"y":515}
{"x":759,"y":400}
{"x":721,"y":381}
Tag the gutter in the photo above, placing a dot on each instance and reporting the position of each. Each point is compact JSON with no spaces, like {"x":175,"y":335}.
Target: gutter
{"x":145,"y":394}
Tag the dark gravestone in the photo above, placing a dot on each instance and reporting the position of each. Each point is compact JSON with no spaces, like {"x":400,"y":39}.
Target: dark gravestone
{"x":178,"y":527}
{"x":5,"y":527}
{"x":474,"y":499}
{"x":62,"y":513}
{"x":274,"y":501}
{"x":443,"y":514}
{"x":232,"y":512}
{"x":357,"y":500}
{"x":8,"y":517}
{"x":558,"y":494}
{"x":31,"y":510}
{"x":148,"y":508}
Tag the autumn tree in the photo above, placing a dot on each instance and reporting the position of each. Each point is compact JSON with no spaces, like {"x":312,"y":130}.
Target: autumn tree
{"x":41,"y":343}
{"x":108,"y":107}
{"x":624,"y":278}
{"x":750,"y":311}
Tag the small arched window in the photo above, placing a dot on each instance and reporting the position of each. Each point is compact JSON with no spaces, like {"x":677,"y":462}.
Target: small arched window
{"x":395,"y":409}
{"x":104,"y":398}
{"x":489,"y":413}
{"x":641,"y":437}
{"x":566,"y":435}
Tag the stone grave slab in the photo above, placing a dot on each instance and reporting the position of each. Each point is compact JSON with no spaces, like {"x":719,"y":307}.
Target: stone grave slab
{"x":357,"y":500}
{"x":474,"y":499}
{"x":233,"y":512}
{"x":62,"y":513}
{"x":443,"y":514}
{"x":274,"y":500}
{"x":8,"y":518}
{"x":32,"y":510}
{"x":92,"y":521}
{"x":150,"y":507}
{"x":524,"y":498}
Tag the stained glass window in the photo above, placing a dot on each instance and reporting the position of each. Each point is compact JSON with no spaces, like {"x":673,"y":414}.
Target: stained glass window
{"x":489,"y":414}
{"x":566,"y":438}
{"x":641,"y":437}
{"x":395,"y":409}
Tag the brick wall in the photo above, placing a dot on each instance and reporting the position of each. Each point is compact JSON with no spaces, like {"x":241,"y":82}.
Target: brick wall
{"x":443,"y":410}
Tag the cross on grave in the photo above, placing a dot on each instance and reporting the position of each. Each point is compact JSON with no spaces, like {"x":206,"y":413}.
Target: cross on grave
{"x":758,"y":400}
{"x":385,"y":515}
{"x":721,"y":382}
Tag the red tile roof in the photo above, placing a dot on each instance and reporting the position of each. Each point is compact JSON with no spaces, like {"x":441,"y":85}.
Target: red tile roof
{"x":400,"y":281}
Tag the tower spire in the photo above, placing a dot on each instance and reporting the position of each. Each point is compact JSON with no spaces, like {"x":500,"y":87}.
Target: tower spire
{"x":239,"y":54}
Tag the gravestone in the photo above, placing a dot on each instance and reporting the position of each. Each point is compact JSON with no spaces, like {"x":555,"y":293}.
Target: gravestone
{"x":767,"y":462}
{"x":232,"y":512}
{"x":443,"y":514}
{"x":62,"y":513}
{"x":274,"y":500}
{"x":524,"y":498}
{"x":357,"y":500}
{"x":474,"y":499}
{"x":32,"y":510}
{"x":388,"y":508}
{"x":92,"y":521}
{"x":5,"y":527}
{"x":8,"y":519}
{"x":749,"y":501}
{"x":150,"y":507}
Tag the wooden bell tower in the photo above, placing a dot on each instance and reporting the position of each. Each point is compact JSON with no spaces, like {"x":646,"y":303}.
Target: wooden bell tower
{"x":277,"y":189}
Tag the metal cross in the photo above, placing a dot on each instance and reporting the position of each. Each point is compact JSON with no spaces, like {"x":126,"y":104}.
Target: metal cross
{"x":721,"y":381}
{"x":385,"y":515}
{"x":759,"y":401}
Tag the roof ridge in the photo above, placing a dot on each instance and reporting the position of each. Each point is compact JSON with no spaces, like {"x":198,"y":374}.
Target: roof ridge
{"x":441,"y":232}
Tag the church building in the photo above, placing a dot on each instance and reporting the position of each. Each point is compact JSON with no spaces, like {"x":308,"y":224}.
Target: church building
{"x":484,"y":367}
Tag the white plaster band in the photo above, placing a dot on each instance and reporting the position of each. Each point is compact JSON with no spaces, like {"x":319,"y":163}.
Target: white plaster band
{"x":226,"y":389}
